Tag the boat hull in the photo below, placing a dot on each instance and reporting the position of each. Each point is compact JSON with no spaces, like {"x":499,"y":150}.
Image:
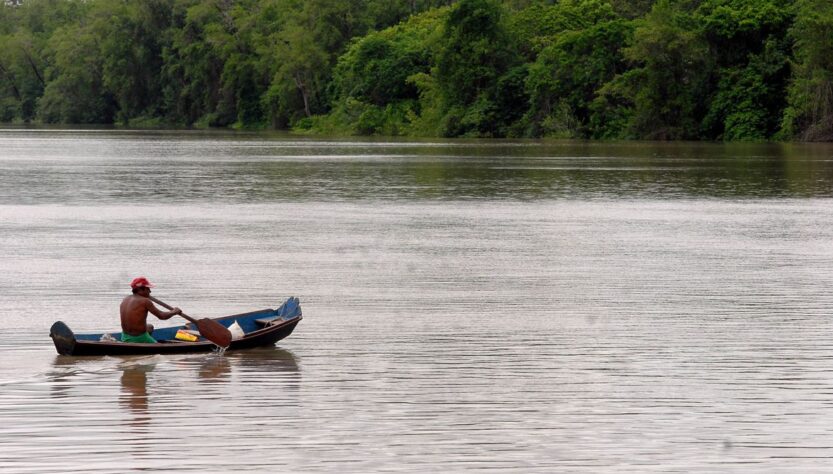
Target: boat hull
{"x":262,"y":328}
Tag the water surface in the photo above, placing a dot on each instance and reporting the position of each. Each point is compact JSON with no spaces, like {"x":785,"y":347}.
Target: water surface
{"x":468,"y":305}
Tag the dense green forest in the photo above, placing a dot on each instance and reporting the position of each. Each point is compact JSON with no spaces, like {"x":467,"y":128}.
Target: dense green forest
{"x":605,"y":69}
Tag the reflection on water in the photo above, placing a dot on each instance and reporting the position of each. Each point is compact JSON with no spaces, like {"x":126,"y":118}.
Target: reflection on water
{"x":153,"y":410}
{"x":215,"y":369}
{"x":265,"y":360}
{"x":504,"y":306}
{"x":134,"y":397}
{"x":126,"y":167}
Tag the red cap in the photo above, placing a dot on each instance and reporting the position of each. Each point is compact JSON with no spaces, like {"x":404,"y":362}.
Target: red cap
{"x":140,"y":281}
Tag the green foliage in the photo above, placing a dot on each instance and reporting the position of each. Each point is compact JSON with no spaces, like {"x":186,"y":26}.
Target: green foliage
{"x":191,"y":67}
{"x":567,"y":75}
{"x":610,"y":69}
{"x":130,"y":35}
{"x":374,"y":84}
{"x":429,"y":119}
{"x":737,"y":28}
{"x":474,"y":67}
{"x":376,"y":71}
{"x":305,"y":50}
{"x":748,"y":41}
{"x":75,"y":90}
{"x":809,"y":115}
{"x":540,"y":24}
{"x":475,"y":51}
{"x":667,"y":84}
{"x":749,"y":102}
{"x":24,"y":35}
{"x":632,"y":8}
{"x":612,"y":111}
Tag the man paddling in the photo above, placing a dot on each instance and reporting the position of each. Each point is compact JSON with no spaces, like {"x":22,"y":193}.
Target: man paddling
{"x":134,"y":313}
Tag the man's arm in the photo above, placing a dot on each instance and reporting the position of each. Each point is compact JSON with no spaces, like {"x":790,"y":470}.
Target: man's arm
{"x":162,"y":314}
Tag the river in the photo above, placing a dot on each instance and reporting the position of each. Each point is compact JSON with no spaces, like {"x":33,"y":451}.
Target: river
{"x":499,"y":306}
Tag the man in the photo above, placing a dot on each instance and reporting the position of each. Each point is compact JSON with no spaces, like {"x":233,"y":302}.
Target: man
{"x":134,"y":313}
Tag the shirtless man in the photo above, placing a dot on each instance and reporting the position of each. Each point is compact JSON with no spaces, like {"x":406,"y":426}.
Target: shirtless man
{"x":134,"y":313}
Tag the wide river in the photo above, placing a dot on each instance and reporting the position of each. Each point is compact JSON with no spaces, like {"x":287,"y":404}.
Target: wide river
{"x":530,"y":307}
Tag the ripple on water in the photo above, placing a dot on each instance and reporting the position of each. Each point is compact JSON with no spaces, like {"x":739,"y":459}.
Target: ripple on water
{"x":525,"y":308}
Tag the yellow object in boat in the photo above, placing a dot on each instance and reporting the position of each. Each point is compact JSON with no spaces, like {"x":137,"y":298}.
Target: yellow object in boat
{"x":185,"y":336}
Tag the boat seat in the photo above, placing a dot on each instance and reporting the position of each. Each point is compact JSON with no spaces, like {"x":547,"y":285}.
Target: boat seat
{"x":265,"y":322}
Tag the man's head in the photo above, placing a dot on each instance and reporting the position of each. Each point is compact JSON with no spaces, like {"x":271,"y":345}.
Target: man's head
{"x":141,"y":286}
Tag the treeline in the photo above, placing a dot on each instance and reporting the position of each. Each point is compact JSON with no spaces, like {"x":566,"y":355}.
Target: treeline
{"x":632,"y":69}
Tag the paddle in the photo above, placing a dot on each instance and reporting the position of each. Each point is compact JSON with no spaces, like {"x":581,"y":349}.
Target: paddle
{"x":209,"y":329}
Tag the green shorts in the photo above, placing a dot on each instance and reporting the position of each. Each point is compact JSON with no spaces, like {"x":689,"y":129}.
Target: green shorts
{"x":143,"y":338}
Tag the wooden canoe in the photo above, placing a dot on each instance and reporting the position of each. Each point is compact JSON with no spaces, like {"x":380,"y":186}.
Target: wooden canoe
{"x":261,"y":328}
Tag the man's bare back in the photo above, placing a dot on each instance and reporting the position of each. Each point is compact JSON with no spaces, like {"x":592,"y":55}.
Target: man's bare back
{"x":134,"y":314}
{"x":134,"y":310}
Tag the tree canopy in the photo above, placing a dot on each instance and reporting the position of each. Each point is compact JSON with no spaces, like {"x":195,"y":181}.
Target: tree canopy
{"x":614,"y":69}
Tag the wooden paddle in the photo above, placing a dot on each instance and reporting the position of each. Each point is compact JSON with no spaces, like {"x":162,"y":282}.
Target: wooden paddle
{"x":209,"y":329}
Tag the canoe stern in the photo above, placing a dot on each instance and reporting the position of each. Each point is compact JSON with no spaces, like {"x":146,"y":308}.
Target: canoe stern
{"x":63,"y":337}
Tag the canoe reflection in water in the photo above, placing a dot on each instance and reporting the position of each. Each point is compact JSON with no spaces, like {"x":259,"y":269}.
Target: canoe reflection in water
{"x":173,"y":383}
{"x":160,"y":390}
{"x":134,"y":394}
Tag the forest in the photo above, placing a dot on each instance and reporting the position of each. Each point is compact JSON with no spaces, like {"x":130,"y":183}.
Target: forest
{"x":754,"y":70}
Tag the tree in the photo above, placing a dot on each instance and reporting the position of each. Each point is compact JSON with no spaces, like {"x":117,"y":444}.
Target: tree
{"x":748,"y":41}
{"x":373,"y":82}
{"x":75,"y":90}
{"x":749,"y":101}
{"x":477,"y":51}
{"x":809,"y":115}
{"x":564,"y":80}
{"x":668,"y":84}
{"x":193,"y":64}
{"x":24,"y":35}
{"x":304,"y":52}
{"x":131,"y":38}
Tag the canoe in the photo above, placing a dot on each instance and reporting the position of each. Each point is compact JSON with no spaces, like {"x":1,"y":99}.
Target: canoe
{"x":260,"y":328}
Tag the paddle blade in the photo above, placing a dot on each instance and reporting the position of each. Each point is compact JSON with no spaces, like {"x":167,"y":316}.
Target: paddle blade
{"x":214,"y":332}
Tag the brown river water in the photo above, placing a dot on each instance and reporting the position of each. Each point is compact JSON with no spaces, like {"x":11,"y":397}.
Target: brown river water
{"x":496,"y":306}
